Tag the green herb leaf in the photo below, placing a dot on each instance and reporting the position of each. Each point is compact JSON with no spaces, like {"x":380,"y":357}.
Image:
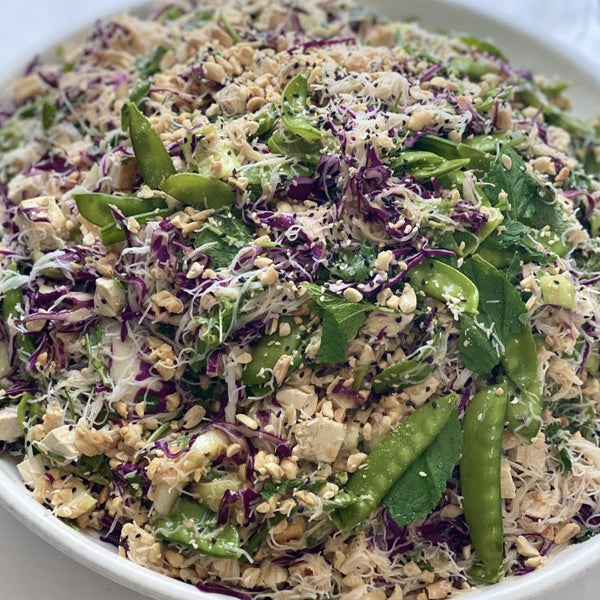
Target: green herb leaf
{"x":419,"y":490}
{"x":48,"y":114}
{"x":478,"y":351}
{"x":502,"y":313}
{"x":355,"y":263}
{"x":223,"y":236}
{"x":293,"y":107}
{"x":528,"y":203}
{"x":150,"y":64}
{"x":514,"y":237}
{"x":341,"y":321}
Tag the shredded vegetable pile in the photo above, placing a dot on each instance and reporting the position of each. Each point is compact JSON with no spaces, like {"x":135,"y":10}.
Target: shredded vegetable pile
{"x":302,"y":303}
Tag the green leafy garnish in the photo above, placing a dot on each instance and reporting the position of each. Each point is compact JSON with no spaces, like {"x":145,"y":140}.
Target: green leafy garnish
{"x":293,"y":107}
{"x":419,"y":490}
{"x":355,"y":263}
{"x":223,"y":236}
{"x":341,"y":321}
{"x":502,"y":314}
{"x":150,"y":64}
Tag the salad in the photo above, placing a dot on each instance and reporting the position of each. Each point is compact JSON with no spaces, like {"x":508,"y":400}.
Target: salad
{"x":298,"y":302}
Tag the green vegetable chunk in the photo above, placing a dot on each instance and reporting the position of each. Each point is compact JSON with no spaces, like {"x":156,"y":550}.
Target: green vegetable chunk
{"x":96,"y":207}
{"x":419,"y":490}
{"x":259,"y":374}
{"x":524,"y":412}
{"x":113,"y":233}
{"x":443,"y":282}
{"x":398,"y":450}
{"x":152,"y":157}
{"x":193,"y":525}
{"x":198,"y":190}
{"x":480,"y":479}
{"x":557,"y":290}
{"x":409,"y":372}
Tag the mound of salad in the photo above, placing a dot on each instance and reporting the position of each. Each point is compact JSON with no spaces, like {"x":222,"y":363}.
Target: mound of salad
{"x":298,"y":302}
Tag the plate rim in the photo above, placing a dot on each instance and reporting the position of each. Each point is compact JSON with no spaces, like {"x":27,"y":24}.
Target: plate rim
{"x":84,"y":549}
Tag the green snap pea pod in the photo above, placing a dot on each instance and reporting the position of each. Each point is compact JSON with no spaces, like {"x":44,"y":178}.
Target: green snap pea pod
{"x":152,"y":156}
{"x":408,"y":372}
{"x":479,"y":44}
{"x":96,"y":207}
{"x":444,"y":168}
{"x":413,"y":159}
{"x":524,"y":412}
{"x":193,"y":525}
{"x":12,"y":308}
{"x":478,"y":160}
{"x":441,"y":281}
{"x":112,"y":233}
{"x":293,"y":106}
{"x":258,"y":374}
{"x":470,"y":67}
{"x":489,"y":143}
{"x":437,"y":145}
{"x":480,"y":478}
{"x":198,"y":190}
{"x":390,"y":459}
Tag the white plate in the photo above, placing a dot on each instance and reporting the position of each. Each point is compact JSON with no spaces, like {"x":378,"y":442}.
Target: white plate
{"x":572,"y":568}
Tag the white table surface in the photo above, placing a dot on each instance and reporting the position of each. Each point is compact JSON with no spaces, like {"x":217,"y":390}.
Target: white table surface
{"x":30,"y":569}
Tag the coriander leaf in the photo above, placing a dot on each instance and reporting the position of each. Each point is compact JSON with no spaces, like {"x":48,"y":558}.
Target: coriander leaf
{"x":223,"y":236}
{"x":355,"y":263}
{"x":341,"y":321}
{"x":419,"y":490}
{"x":513,"y":237}
{"x":528,"y":203}
{"x":477,"y":350}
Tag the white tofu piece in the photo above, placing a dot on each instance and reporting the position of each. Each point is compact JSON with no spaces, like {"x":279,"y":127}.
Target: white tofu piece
{"x":31,"y":469}
{"x":319,"y":439}
{"x":9,"y":424}
{"x":110,"y":297}
{"x":61,"y":440}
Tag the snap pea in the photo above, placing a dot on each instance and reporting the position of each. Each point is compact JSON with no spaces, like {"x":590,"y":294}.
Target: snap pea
{"x":441,"y":281}
{"x":480,"y":478}
{"x":437,"y":145}
{"x":470,"y":67}
{"x":12,"y":308}
{"x":152,"y":157}
{"x":258,"y":374}
{"x":524,"y":413}
{"x":408,"y":372}
{"x":113,"y":233}
{"x":293,"y":106}
{"x":198,"y":190}
{"x":96,"y":207}
{"x":193,"y":525}
{"x":444,"y":168}
{"x":390,"y":459}
{"x":489,"y":143}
